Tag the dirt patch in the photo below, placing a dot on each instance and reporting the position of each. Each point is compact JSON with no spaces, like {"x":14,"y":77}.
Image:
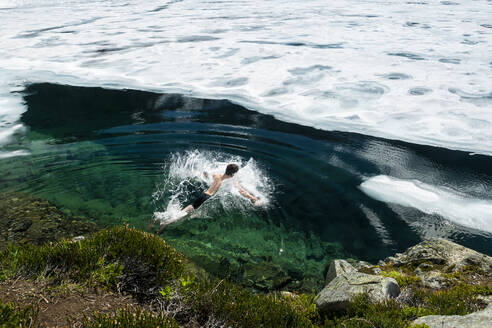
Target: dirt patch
{"x":57,"y":305}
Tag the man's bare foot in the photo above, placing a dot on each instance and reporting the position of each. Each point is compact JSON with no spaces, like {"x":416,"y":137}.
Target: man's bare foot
{"x":259,"y":203}
{"x":151,"y":225}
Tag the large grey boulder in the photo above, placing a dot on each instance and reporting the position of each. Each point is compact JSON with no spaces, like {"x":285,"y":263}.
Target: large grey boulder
{"x":336,"y":268}
{"x":443,"y":253}
{"x":432,"y":260}
{"x":480,"y":319}
{"x":343,"y":288}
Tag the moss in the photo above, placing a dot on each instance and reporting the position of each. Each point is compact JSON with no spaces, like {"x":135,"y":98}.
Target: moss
{"x":134,"y":260}
{"x":474,"y":269}
{"x":15,"y":316}
{"x":127,"y":318}
{"x":410,"y":267}
{"x":402,"y":279}
{"x":470,"y":274}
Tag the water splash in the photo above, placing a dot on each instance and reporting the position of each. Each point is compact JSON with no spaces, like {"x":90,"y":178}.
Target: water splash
{"x":185,"y":178}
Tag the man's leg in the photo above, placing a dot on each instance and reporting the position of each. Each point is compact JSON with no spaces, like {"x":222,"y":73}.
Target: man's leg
{"x":188,"y":209}
{"x":152,"y":224}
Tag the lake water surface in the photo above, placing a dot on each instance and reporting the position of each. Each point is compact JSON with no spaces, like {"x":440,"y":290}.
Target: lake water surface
{"x":126,"y":156}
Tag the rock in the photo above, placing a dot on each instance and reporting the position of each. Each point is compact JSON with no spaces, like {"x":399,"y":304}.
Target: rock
{"x":21,"y":225}
{"x":435,"y":260}
{"x":441,"y":252}
{"x":32,"y":220}
{"x":338,"y":267}
{"x":309,"y":284}
{"x":78,"y":238}
{"x":265,"y":276}
{"x":433,"y":279}
{"x":341,"y":290}
{"x":286,"y":294}
{"x":480,"y":319}
{"x":486,"y":299}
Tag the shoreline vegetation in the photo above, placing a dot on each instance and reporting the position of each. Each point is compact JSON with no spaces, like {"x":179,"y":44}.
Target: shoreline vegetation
{"x":123,"y":277}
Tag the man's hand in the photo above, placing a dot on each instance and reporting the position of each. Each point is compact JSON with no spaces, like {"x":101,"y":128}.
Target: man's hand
{"x":258,"y":202}
{"x":246,"y":194}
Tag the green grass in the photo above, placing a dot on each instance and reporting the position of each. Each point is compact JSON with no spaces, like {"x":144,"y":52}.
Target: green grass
{"x":14,"y":316}
{"x":127,"y":319}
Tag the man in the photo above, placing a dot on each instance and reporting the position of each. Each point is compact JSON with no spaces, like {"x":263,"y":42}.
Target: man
{"x":217,"y":180}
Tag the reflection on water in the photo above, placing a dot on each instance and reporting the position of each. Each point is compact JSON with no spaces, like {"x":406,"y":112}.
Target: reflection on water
{"x":114,"y":156}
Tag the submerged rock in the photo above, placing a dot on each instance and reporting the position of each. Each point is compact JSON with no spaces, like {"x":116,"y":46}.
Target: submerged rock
{"x":26,"y":219}
{"x":479,"y":319}
{"x":349,"y":283}
{"x":265,"y":276}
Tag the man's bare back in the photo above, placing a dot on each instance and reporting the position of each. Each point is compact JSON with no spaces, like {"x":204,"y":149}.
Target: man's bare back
{"x":216,"y":183}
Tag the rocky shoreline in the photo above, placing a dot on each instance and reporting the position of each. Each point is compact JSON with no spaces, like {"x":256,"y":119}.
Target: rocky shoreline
{"x":435,"y":264}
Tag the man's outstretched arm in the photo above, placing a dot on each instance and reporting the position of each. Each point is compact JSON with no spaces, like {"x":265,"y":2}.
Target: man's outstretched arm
{"x":244,"y":193}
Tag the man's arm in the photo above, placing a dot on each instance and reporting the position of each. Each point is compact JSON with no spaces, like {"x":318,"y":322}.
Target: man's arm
{"x":244,"y":193}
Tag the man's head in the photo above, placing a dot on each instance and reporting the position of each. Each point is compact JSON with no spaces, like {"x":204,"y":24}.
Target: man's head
{"x":231,"y":169}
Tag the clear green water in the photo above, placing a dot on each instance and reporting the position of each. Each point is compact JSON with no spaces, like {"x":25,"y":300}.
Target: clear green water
{"x":108,"y":155}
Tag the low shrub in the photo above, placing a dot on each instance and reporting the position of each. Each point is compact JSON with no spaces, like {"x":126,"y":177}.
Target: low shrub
{"x":392,"y":313}
{"x":119,"y":258}
{"x":362,"y":312}
{"x":127,"y":260}
{"x":239,"y":307}
{"x":457,"y":300}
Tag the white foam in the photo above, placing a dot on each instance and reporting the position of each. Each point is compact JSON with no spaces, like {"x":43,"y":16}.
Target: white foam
{"x":450,"y":204}
{"x":184,"y":175}
{"x":14,"y":153}
{"x":11,"y":107}
{"x":351,"y":65}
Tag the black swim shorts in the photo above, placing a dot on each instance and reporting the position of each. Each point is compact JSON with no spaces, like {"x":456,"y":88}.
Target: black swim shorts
{"x":199,"y":201}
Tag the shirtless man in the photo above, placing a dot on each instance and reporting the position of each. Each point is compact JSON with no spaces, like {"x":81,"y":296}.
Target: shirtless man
{"x":214,"y":187}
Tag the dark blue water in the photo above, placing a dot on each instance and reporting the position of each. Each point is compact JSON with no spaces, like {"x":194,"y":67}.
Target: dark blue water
{"x":102,"y":153}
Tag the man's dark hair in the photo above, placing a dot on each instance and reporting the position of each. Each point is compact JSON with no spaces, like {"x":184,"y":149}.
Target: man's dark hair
{"x":231,"y":169}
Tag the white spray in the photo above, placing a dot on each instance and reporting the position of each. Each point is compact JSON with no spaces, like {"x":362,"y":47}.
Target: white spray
{"x":184,"y":176}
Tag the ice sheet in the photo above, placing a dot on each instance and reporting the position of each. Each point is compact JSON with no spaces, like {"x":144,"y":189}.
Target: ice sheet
{"x":418,"y":71}
{"x":450,"y":204}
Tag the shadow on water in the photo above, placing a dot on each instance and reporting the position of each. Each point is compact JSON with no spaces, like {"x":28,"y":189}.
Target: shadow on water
{"x":99,"y":153}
